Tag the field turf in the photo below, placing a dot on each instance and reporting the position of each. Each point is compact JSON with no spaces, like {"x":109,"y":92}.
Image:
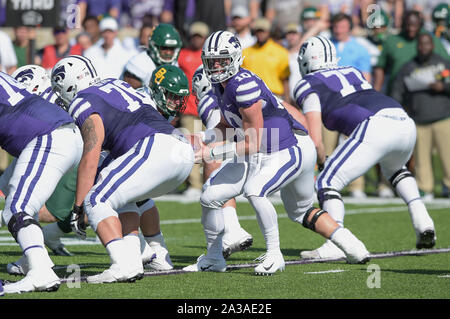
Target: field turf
{"x":383,"y":228}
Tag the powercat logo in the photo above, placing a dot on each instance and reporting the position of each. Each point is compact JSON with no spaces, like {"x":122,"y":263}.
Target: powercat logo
{"x":25,"y":76}
{"x":59,"y":73}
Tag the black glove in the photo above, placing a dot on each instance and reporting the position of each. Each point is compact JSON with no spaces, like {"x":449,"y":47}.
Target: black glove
{"x":77,"y":221}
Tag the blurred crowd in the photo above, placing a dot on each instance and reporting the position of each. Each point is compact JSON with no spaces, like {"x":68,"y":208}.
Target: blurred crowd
{"x":401,"y":46}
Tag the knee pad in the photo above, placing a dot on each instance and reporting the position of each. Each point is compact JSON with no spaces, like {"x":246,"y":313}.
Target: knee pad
{"x":98,"y":213}
{"x":19,"y":221}
{"x":327,"y":193}
{"x":398,"y":176}
{"x":312,"y":224}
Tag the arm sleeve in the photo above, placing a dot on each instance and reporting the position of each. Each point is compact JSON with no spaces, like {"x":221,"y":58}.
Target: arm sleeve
{"x":311,"y":103}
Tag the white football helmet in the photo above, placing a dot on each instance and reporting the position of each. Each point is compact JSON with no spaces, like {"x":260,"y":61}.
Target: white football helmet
{"x":71,"y":75}
{"x":33,"y":77}
{"x":315,"y":54}
{"x":221,"y":56}
{"x":200,"y":83}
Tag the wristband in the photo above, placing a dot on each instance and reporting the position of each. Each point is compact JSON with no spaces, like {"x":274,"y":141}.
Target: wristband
{"x":224,"y":151}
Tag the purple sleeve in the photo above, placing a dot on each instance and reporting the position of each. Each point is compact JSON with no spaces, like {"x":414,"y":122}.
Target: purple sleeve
{"x":206,"y":105}
{"x":246,"y":91}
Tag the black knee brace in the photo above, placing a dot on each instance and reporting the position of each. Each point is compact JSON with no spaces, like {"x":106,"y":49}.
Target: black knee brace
{"x":327,"y":193}
{"x":312,"y":224}
{"x":399,"y":175}
{"x":17,"y":222}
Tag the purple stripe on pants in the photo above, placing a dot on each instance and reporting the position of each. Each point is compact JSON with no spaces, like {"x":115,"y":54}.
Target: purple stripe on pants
{"x":24,"y":177}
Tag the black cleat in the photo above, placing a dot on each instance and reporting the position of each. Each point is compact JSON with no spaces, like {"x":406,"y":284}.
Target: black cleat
{"x":426,"y":239}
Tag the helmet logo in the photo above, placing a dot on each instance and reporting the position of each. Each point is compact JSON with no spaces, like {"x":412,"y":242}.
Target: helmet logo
{"x":235,"y":42}
{"x":59,"y":73}
{"x":159,"y":76}
{"x":303,"y":48}
{"x":25,"y":75}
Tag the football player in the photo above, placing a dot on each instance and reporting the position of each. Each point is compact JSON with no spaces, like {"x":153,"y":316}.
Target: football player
{"x":164,"y":48}
{"x":46,"y":144}
{"x":235,"y":238}
{"x":112,"y":115}
{"x":267,"y":158}
{"x":37,"y":81}
{"x":379,"y":131}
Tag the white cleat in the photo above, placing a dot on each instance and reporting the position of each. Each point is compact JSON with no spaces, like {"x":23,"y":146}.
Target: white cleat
{"x":35,"y":280}
{"x":235,"y":241}
{"x":18,"y":268}
{"x":161,"y":261}
{"x":205,"y":263}
{"x":52,"y":239}
{"x":115,"y":274}
{"x":271,"y":263}
{"x":327,"y":251}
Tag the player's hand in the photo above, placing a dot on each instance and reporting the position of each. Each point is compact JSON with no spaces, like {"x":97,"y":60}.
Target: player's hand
{"x":197,"y":146}
{"x":77,"y":222}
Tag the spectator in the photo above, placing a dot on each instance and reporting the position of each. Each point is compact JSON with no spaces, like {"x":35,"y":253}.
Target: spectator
{"x":140,"y":43}
{"x":253,"y":8}
{"x":401,"y":48}
{"x":84,"y":40}
{"x":100,"y":8}
{"x":8,"y":60}
{"x":313,"y":24}
{"x":109,"y":57}
{"x":92,"y":26}
{"x":394,"y":10}
{"x":180,"y":14}
{"x":189,"y":60}
{"x":425,"y":7}
{"x":282,"y":12}
{"x":349,"y":50}
{"x":52,"y":53}
{"x":240,"y":22}
{"x":293,"y":37}
{"x":137,"y":13}
{"x":21,"y":44}
{"x":268,"y":60}
{"x":427,"y":101}
{"x":441,"y":20}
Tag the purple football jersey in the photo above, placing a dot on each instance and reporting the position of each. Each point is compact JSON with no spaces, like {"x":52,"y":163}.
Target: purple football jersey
{"x":242,"y":91}
{"x":346,"y":98}
{"x":25,"y":116}
{"x":127,"y":115}
{"x":206,"y":105}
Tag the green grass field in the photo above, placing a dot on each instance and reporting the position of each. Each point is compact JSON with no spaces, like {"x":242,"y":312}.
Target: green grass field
{"x":383,"y":228}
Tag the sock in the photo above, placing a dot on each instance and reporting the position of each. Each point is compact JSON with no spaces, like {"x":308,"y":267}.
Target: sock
{"x":230,"y":218}
{"x":52,"y":232}
{"x":336,"y":210}
{"x":409,"y":192}
{"x":213,"y":226}
{"x":146,"y":250}
{"x":348,"y":243}
{"x":134,"y":244}
{"x":267,"y":220}
{"x":31,"y":240}
{"x":118,"y":251}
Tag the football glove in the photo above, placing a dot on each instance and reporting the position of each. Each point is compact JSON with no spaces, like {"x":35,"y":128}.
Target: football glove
{"x":77,"y":221}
